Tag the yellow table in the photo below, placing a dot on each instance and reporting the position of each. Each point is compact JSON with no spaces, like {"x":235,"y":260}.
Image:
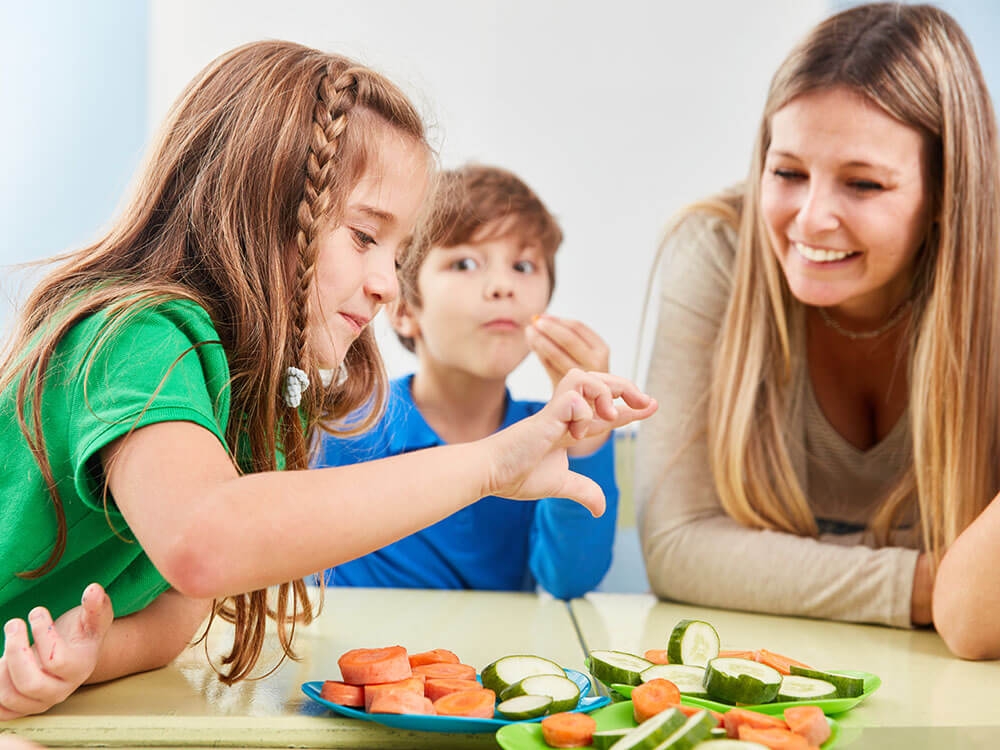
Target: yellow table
{"x":928,"y":698}
{"x":184,"y":705}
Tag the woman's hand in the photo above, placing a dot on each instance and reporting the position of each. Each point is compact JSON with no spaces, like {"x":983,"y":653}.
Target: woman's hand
{"x":33,"y":678}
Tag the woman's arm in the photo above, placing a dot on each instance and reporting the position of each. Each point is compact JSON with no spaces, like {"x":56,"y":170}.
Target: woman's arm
{"x":966,"y":594}
{"x":694,"y":552}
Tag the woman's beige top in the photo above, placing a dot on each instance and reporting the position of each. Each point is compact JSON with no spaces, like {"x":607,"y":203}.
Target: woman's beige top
{"x":694,"y":552}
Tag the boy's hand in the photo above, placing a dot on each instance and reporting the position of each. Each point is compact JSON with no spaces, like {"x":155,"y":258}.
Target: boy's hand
{"x":35,"y":678}
{"x":562,"y":344}
{"x":529,"y":458}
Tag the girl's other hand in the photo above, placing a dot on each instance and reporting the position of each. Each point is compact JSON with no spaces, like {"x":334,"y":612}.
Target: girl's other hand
{"x":529,"y":458}
{"x":562,"y":344}
{"x":65,"y":652}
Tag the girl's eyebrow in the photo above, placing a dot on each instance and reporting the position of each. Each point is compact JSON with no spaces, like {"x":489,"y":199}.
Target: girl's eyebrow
{"x":375,"y":213}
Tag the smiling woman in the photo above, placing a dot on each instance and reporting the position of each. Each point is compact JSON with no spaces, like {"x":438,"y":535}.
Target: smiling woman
{"x":823,"y":360}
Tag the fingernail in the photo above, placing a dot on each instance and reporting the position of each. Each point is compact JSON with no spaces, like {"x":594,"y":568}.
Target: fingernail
{"x":37,"y":615}
{"x":11,"y":628}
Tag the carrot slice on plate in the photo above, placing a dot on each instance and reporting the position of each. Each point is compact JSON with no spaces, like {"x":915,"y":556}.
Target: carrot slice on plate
{"x":343,"y":694}
{"x":477,"y":703}
{"x":410,"y":684}
{"x":369,"y":666}
{"x":445,"y":671}
{"x":735,"y":718}
{"x":435,"y":689}
{"x":775,"y":739}
{"x":657,"y":656}
{"x":434,"y":656}
{"x":400,"y":701}
{"x":649,"y":698}
{"x":810,"y":722}
{"x":568,"y":730}
{"x":738,"y":655}
{"x":777,"y":661}
{"x":690,"y":711}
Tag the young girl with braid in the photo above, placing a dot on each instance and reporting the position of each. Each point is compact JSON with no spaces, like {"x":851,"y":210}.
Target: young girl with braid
{"x":164,"y":386}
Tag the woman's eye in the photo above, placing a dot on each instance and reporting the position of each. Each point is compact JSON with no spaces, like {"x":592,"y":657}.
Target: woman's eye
{"x":866,"y":185}
{"x":525,"y":266}
{"x":464,"y":264}
{"x":363,"y":239}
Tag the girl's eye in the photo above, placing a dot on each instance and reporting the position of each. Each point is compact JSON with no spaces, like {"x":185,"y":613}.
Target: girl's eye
{"x":788,"y":174}
{"x":525,"y":266}
{"x":464,"y":264}
{"x":363,"y":240}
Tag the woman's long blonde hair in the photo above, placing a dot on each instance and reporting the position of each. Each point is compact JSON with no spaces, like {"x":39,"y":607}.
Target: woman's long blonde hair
{"x":915,"y":63}
{"x":256,"y":157}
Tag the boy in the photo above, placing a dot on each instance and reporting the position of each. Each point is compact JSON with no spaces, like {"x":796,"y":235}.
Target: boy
{"x":470,"y":308}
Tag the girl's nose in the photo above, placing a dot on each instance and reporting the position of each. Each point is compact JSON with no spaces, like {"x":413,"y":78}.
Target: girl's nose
{"x":381,"y":281}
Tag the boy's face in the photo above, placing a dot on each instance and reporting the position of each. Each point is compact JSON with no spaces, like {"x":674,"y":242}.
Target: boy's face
{"x":476,"y":300}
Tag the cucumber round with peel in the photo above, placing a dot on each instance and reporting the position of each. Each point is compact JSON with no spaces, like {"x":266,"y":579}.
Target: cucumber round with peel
{"x":653,"y":731}
{"x":847,"y":686}
{"x":733,"y":680}
{"x":505,"y":671}
{"x":690,"y":680}
{"x":605,"y":738}
{"x":524,"y":707}
{"x":693,"y":642}
{"x":798,"y":688}
{"x":620,"y":667}
{"x":565,"y":693}
{"x":692,"y":733}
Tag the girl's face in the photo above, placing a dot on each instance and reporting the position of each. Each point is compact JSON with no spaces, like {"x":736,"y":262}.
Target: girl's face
{"x":845,"y":198}
{"x":355,"y":273}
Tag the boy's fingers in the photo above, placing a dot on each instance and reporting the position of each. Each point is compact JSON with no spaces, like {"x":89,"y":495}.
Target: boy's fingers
{"x":553,"y":357}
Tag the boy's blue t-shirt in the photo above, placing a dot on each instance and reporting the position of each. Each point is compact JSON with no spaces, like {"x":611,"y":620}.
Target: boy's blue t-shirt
{"x":493,"y":544}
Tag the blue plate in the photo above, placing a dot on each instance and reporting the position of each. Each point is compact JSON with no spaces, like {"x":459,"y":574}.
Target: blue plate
{"x":451,"y":724}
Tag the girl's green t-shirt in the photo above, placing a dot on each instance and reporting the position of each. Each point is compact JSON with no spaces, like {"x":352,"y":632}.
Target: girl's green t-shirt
{"x":163,"y":363}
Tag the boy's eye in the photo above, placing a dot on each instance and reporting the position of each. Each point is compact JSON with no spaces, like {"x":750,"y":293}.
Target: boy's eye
{"x":363,"y":239}
{"x":464,"y":264}
{"x":525,"y":266}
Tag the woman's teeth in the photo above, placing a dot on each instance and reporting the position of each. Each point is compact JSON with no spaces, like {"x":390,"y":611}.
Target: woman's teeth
{"x":818,"y":255}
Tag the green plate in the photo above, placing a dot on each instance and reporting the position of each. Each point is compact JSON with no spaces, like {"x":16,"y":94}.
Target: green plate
{"x":615,"y":716}
{"x":830,"y":706}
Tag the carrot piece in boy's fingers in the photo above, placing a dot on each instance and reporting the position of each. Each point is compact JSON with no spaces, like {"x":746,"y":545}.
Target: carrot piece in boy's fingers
{"x":412,"y":684}
{"x":735,"y":718}
{"x":477,"y":703}
{"x":568,"y":730}
{"x":775,"y":739}
{"x":445,"y":671}
{"x":434,"y":656}
{"x":657,"y":656}
{"x":810,"y":722}
{"x":649,"y":698}
{"x":777,"y":661}
{"x":370,"y":666}
{"x":399,"y":701}
{"x":435,"y":689}
{"x":343,"y":694}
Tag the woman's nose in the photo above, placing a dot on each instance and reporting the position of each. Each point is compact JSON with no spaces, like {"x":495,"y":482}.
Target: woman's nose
{"x":819,"y":212}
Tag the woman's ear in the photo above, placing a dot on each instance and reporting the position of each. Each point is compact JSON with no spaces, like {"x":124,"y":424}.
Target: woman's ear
{"x":403,"y":321}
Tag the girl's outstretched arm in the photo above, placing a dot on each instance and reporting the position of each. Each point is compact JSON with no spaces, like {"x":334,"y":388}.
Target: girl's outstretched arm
{"x":213,"y":533}
{"x":966,"y":595}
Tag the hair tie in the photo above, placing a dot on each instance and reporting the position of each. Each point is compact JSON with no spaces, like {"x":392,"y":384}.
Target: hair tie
{"x":296,"y":382}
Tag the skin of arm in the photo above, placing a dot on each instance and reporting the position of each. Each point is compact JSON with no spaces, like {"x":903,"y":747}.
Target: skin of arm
{"x":212,"y":533}
{"x":966,"y":596}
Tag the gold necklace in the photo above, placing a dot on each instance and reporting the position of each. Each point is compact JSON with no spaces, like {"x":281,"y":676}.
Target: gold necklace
{"x":896,"y":316}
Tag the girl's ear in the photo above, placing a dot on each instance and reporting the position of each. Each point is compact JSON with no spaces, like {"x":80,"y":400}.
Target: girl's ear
{"x":402,"y":320}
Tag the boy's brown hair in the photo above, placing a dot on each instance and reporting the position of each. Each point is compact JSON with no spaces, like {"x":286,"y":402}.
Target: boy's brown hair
{"x":476,"y":203}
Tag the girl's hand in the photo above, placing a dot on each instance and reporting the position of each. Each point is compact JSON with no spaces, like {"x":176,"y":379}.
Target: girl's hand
{"x":562,"y":344}
{"x":529,"y":458}
{"x":35,"y":678}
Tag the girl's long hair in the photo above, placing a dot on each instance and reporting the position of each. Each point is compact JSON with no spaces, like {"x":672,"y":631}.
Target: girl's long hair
{"x":255,"y":158}
{"x":915,"y":63}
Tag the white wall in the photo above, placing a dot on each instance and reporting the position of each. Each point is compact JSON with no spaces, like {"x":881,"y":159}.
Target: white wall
{"x":617,"y":114}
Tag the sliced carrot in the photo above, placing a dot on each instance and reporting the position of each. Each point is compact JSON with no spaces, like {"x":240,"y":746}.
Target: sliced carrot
{"x":690,"y":711}
{"x":370,"y":666}
{"x":649,"y":698}
{"x":343,"y":694}
{"x":435,"y":689}
{"x":568,"y":730}
{"x":445,"y":671}
{"x":477,"y":703}
{"x":738,"y":655}
{"x":434,"y":656}
{"x":779,"y":662}
{"x":657,"y":656}
{"x":400,"y":701}
{"x":735,"y":718}
{"x":810,"y":722}
{"x":411,"y":684}
{"x":776,"y":739}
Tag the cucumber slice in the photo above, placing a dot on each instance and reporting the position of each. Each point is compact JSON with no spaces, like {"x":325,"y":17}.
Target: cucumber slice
{"x":718,"y":733}
{"x":729,"y":744}
{"x":693,"y":642}
{"x":617,"y":666}
{"x":524,"y":707}
{"x":565,"y":693}
{"x":507,"y":670}
{"x":797,"y":688}
{"x":689,"y":680}
{"x":847,"y":687}
{"x":733,"y":680}
{"x":604,"y":739}
{"x":652,"y":731}
{"x":693,"y":732}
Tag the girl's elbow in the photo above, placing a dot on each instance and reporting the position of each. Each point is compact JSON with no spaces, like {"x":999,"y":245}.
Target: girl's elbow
{"x":188,"y":567}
